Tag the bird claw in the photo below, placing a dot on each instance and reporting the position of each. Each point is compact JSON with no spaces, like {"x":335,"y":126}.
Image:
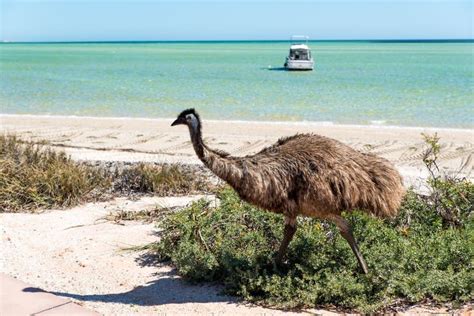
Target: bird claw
{"x":279,"y":266}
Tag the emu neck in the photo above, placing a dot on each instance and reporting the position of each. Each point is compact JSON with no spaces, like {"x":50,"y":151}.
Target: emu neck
{"x":226,"y":168}
{"x":196,"y":139}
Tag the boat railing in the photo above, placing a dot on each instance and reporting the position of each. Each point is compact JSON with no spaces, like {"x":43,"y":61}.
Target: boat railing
{"x":299,"y":39}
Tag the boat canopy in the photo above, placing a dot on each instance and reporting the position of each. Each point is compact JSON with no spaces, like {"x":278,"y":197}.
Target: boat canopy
{"x":299,"y":52}
{"x":299,"y":46}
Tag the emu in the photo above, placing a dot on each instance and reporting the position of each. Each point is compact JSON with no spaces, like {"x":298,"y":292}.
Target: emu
{"x":308,"y":175}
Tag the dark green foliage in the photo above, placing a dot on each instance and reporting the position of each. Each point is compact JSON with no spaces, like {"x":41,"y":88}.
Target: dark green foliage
{"x":33,"y":176}
{"x":419,"y":255}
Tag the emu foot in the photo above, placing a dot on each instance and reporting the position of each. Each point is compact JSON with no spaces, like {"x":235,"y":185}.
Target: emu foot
{"x":279,"y":265}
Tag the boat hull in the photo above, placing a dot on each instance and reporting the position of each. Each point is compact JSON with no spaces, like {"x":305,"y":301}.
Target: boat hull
{"x":299,"y":64}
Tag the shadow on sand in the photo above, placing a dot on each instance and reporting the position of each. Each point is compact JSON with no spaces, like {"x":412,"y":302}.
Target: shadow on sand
{"x":166,"y":289}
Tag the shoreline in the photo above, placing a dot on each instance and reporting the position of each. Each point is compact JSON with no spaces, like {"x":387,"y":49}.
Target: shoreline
{"x":250,"y":122}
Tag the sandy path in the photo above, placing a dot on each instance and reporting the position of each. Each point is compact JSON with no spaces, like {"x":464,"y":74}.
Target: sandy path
{"x":75,"y":254}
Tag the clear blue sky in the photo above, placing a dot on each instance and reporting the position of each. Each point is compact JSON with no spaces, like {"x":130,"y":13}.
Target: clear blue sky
{"x":96,"y":20}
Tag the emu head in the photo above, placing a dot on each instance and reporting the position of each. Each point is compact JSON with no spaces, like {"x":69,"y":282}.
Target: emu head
{"x":188,"y":117}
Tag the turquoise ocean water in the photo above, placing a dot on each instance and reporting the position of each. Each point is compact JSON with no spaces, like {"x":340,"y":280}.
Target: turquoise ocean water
{"x":408,"y":84}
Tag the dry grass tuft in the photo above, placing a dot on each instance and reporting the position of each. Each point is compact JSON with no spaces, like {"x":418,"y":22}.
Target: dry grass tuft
{"x":161,"y":180}
{"x":32,"y":176}
{"x":147,"y":216}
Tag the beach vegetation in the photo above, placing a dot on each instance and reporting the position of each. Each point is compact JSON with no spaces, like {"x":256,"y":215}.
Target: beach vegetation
{"x":33,"y":176}
{"x":419,"y":256}
{"x":147,"y":215}
{"x":161,"y":180}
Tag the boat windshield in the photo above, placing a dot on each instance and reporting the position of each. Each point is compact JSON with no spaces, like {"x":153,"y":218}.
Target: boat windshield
{"x":300,"y":54}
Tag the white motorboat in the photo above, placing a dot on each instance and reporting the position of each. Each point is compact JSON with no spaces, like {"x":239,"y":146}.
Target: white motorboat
{"x":299,"y":57}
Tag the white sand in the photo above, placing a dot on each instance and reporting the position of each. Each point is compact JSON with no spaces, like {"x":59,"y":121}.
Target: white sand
{"x":127,"y":139}
{"x":74,"y":253}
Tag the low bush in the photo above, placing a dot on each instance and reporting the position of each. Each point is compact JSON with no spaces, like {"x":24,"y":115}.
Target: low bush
{"x":33,"y":176}
{"x":160,"y":180}
{"x":420,"y":255}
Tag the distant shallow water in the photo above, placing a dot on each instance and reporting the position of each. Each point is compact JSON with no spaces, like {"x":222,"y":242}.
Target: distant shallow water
{"x":406,"y":84}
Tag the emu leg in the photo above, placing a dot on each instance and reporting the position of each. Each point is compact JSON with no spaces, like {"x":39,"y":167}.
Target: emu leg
{"x":290,"y":229}
{"x":346,"y":232}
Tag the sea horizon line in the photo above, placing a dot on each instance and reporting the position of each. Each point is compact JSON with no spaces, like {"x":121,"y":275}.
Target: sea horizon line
{"x":440,"y":40}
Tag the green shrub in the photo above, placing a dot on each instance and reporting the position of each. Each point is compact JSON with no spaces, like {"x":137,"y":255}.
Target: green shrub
{"x":33,"y":176}
{"x":450,"y":196}
{"x":417,"y":256}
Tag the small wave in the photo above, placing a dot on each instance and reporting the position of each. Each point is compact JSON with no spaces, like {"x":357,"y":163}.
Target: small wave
{"x":381,"y":124}
{"x":378,"y":122}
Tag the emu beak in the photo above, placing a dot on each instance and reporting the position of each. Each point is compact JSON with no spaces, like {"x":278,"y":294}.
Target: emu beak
{"x":177,"y":122}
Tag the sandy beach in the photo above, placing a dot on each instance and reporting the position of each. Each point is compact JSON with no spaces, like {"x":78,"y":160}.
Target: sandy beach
{"x":136,"y":139}
{"x":78,"y":255}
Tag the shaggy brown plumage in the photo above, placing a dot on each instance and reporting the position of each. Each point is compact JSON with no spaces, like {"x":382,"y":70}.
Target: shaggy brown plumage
{"x":306,"y":174}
